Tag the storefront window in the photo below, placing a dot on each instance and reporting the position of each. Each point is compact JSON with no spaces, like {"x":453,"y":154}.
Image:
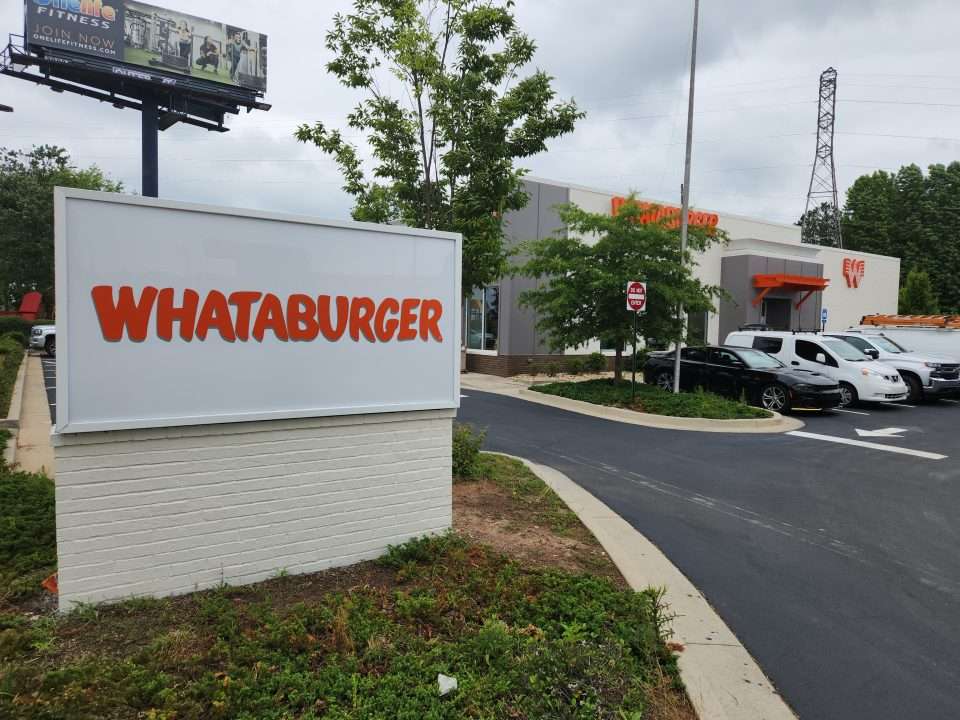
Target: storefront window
{"x":483,"y":319}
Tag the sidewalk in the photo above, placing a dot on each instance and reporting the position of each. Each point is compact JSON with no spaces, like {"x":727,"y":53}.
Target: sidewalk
{"x":723,"y":681}
{"x":513,"y":387}
{"x":34,"y":450}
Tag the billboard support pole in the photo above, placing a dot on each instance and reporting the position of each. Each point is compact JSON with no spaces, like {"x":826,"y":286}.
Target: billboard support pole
{"x":150,"y":130}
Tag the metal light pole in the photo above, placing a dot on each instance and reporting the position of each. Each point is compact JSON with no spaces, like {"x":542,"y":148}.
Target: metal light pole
{"x":685,"y":190}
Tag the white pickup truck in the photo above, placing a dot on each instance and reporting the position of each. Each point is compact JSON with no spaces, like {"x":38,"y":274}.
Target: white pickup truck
{"x":44,"y":337}
{"x":927,"y":375}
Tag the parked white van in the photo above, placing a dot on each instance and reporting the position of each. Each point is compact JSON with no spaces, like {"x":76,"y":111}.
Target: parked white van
{"x":859,"y":377}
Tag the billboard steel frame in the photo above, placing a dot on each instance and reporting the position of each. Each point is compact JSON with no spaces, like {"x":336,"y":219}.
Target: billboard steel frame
{"x":162,"y":99}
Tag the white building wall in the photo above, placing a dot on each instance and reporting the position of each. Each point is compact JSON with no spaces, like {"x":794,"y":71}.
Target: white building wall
{"x":878,"y":292}
{"x":169,"y":511}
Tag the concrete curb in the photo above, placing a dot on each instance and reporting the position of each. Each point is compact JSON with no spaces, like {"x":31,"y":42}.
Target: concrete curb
{"x":12,"y":420}
{"x":777,"y":424}
{"x":723,"y":681}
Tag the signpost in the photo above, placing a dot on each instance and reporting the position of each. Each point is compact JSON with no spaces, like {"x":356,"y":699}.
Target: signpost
{"x":636,"y":303}
{"x":823,"y":320}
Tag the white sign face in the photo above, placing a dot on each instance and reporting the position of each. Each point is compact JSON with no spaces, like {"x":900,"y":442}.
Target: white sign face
{"x":172,"y":314}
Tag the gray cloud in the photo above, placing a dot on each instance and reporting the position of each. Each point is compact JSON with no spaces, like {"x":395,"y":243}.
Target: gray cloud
{"x":625,"y":64}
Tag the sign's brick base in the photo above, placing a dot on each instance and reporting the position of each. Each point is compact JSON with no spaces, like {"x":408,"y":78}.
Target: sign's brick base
{"x":172,"y":510}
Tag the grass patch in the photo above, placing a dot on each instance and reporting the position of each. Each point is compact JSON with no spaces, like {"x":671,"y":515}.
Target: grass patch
{"x":537,"y":502}
{"x":11,"y":355}
{"x":522,"y":644}
{"x":365,"y":641}
{"x":651,"y":399}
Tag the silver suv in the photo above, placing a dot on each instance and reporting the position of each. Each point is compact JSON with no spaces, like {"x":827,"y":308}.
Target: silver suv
{"x":927,"y":376}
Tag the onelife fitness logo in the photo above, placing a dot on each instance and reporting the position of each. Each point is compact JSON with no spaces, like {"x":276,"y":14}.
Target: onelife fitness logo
{"x":84,"y":26}
{"x":250,"y":315}
{"x":853,"y":271}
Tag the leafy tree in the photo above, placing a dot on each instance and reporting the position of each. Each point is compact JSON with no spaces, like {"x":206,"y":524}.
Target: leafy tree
{"x":818,"y":225}
{"x":867,"y":221}
{"x":917,"y":296}
{"x":446,"y":116}
{"x":912,"y":216}
{"x":583,"y":294}
{"x":27,"y":180}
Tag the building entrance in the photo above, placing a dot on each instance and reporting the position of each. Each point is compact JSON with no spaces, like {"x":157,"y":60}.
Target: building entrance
{"x":777,"y":313}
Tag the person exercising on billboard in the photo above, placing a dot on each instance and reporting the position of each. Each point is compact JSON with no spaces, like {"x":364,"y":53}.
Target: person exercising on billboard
{"x":185,"y":41}
{"x":209,"y":55}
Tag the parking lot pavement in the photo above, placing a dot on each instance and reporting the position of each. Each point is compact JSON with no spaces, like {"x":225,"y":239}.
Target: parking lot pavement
{"x":50,"y":382}
{"x":834,"y":562}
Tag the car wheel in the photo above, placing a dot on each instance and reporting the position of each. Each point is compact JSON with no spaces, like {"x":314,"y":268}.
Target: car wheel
{"x":775,"y":397}
{"x":664,"y":380}
{"x":914,"y":387}
{"x":50,"y":347}
{"x":848,"y":394}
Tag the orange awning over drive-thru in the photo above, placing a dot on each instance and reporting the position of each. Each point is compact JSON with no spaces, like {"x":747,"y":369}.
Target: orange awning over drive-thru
{"x":792,"y":283}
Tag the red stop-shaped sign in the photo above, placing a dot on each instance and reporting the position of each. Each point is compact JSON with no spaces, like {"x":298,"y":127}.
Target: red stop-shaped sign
{"x":636,"y":296}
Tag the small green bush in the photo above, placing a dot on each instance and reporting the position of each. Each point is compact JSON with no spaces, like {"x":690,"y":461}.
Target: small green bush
{"x":11,"y":354}
{"x":552,"y":370}
{"x":575,"y":366}
{"x":15,"y":337}
{"x":466,"y":451}
{"x":596,"y":362}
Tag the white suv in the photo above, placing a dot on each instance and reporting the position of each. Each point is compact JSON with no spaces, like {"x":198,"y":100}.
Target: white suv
{"x":860,"y":378}
{"x":926,"y":375}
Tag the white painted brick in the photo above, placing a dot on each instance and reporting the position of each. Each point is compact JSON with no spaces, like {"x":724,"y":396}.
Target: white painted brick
{"x":171,"y":510}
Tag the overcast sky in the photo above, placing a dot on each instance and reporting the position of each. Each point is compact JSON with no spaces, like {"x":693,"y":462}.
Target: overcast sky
{"x":624,"y":63}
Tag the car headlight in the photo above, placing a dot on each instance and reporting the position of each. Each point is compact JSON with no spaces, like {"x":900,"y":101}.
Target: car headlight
{"x":36,"y":331}
{"x":934,"y":365}
{"x":871,"y":373}
{"x":803,"y":387}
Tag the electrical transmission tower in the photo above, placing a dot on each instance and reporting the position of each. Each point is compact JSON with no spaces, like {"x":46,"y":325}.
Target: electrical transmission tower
{"x":821,"y":221}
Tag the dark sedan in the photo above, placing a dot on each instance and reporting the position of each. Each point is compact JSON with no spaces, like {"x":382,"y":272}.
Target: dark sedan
{"x":741,"y":372}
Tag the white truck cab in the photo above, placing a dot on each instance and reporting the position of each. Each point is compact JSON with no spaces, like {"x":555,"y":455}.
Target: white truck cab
{"x":860,"y":378}
{"x":927,"y":375}
{"x":44,"y":337}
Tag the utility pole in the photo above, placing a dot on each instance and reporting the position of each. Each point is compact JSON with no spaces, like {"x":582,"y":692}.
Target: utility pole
{"x":685,"y":190}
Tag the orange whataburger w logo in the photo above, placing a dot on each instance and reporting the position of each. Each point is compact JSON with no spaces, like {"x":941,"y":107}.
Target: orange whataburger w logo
{"x":249,"y":315}
{"x":667,"y":214}
{"x":853,"y":271}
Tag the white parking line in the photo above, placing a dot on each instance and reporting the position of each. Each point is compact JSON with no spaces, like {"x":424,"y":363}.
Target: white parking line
{"x":952,"y":402}
{"x":872,"y":446}
{"x":912,"y":407}
{"x":852,"y":412}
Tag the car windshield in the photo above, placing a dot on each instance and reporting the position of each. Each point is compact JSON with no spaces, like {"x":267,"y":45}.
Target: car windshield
{"x":886,"y":344}
{"x":845,"y":350}
{"x":758,"y":360}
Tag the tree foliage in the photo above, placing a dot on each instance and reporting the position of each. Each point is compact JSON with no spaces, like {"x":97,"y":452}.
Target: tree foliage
{"x":912,"y":216}
{"x":583,"y":294}
{"x":27,"y":180}
{"x":446,"y":115}
{"x":818,"y":225}
{"x":917,"y":296}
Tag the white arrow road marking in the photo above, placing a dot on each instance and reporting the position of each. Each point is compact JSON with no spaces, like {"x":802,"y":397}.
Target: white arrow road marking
{"x":883,"y":433}
{"x":872,"y":446}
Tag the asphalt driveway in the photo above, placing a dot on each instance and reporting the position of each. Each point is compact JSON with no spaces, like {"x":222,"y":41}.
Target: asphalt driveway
{"x":836,"y":562}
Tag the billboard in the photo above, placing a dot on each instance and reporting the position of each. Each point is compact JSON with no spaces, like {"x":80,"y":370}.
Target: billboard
{"x":149,"y":36}
{"x":171,"y":314}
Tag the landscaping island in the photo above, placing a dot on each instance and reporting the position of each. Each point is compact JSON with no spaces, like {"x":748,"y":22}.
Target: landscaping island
{"x":654,"y":400}
{"x":519,"y":604}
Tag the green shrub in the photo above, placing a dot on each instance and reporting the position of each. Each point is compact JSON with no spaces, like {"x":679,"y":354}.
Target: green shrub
{"x":28,"y":535}
{"x":466,"y":451}
{"x":15,"y":337}
{"x":596,"y":362}
{"x":21,"y":327}
{"x":11,"y":354}
{"x":552,"y":370}
{"x":575,"y":366}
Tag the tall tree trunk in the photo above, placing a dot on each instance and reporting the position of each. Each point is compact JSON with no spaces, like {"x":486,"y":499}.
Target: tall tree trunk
{"x":618,"y":366}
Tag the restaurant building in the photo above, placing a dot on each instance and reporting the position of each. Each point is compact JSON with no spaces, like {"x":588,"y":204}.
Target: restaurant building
{"x":770,"y":276}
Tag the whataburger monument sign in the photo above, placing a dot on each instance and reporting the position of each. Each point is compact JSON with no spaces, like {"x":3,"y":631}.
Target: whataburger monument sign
{"x":296,"y":343}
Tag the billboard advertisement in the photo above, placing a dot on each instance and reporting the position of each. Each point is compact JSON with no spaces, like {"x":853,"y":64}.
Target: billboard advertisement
{"x":171,"y":314}
{"x":149,"y":36}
